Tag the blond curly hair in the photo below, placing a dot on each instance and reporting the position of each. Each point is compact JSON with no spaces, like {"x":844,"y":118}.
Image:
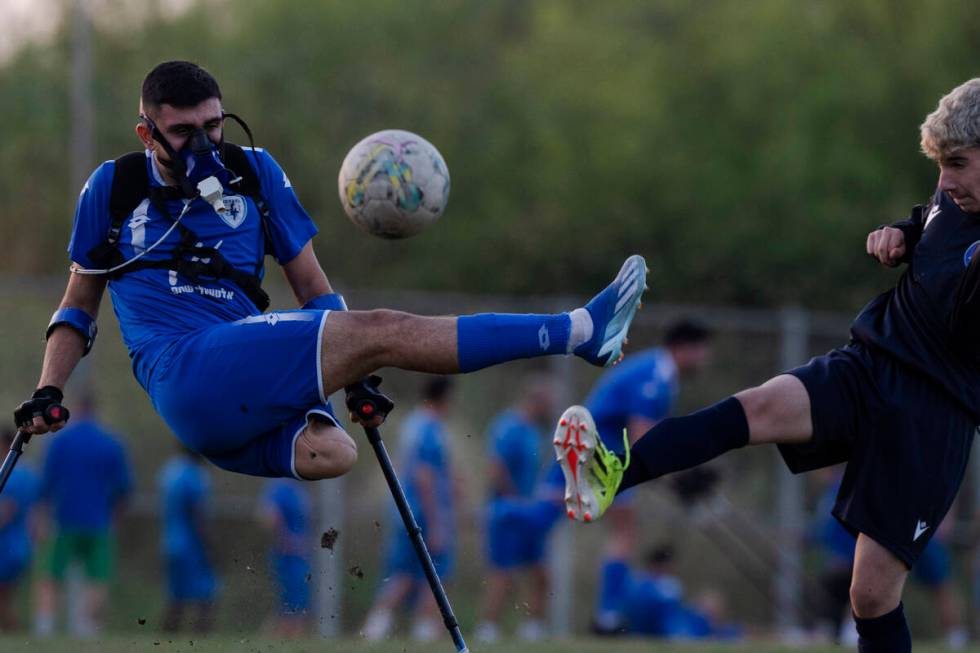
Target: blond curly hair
{"x":955,"y":124}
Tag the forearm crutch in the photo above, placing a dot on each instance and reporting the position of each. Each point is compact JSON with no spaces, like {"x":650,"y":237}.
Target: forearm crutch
{"x":364,"y":400}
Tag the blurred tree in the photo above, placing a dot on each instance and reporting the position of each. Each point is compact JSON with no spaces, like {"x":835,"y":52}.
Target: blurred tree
{"x":744,"y":148}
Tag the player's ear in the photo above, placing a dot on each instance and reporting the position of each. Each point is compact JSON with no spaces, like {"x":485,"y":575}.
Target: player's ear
{"x":145,"y":135}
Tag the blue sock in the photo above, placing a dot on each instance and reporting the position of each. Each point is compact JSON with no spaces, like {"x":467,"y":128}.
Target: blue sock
{"x":684,"y":442}
{"x":490,"y":338}
{"x":613,"y":583}
{"x":888,"y":633}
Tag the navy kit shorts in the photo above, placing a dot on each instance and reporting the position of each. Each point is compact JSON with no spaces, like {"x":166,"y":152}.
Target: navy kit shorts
{"x":906,"y":442}
{"x":240,"y":393}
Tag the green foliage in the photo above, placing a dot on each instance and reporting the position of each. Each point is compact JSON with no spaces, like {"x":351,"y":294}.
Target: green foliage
{"x":744,"y":148}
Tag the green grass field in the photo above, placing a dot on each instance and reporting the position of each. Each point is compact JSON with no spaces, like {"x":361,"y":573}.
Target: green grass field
{"x":259,"y":645}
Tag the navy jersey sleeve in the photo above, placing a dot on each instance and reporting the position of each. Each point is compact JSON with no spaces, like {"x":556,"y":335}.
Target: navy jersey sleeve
{"x":290,"y":226}
{"x":91,"y":225}
{"x":912,"y":230}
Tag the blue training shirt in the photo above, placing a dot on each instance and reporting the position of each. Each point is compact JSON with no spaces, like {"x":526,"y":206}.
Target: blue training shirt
{"x":288,"y":499}
{"x":86,"y":475}
{"x":155,"y":307}
{"x":643,"y":385}
{"x":185,"y":488}
{"x":19,"y":496}
{"x":516,"y":443}
{"x":424,"y":443}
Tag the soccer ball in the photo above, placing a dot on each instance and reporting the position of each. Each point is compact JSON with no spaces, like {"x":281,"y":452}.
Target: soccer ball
{"x":393,"y":184}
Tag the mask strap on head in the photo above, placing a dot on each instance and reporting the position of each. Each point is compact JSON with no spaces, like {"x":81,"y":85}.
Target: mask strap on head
{"x":248,"y":132}
{"x":176,"y":164}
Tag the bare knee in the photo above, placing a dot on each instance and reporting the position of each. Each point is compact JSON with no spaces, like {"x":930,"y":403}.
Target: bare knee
{"x":878,"y":580}
{"x":869,"y":600}
{"x":777,"y":411}
{"x":324,"y":451}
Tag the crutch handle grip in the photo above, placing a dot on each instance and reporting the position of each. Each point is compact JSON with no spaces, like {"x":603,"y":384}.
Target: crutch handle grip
{"x":55,"y":413}
{"x":365,"y":401}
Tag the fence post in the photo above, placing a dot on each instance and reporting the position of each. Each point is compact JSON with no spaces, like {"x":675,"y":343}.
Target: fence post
{"x":795,"y":335}
{"x":562,"y":541}
{"x":329,"y":561}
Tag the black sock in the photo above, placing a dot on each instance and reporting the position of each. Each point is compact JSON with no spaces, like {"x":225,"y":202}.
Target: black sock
{"x":684,"y":442}
{"x":888,"y":633}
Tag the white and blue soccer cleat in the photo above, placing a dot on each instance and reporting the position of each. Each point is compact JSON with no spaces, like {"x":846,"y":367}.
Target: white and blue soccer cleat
{"x":612,"y":311}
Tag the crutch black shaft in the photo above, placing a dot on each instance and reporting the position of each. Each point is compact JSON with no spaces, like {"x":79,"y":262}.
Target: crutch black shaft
{"x":53,"y":413}
{"x":367,"y":403}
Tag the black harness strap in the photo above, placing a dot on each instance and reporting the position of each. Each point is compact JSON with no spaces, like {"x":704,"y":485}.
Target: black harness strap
{"x":131,"y":185}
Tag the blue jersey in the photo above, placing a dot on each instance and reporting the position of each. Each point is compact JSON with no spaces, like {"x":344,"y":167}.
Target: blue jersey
{"x":643,"y":385}
{"x":288,"y":500}
{"x":184,"y":492}
{"x":424,"y":445}
{"x":515,"y":443}
{"x":85,"y":476}
{"x":19,"y":496}
{"x":155,"y":307}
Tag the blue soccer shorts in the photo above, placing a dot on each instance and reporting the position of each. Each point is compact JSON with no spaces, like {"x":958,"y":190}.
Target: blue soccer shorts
{"x":240,"y":393}
{"x":402,"y":559}
{"x":515,"y":537}
{"x":190,"y":577}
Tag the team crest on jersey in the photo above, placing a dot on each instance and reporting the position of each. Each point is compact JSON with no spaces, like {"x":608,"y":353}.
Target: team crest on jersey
{"x":235,"y":210}
{"x":968,"y":254}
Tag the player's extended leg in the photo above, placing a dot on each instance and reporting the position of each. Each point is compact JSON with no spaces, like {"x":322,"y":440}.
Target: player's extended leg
{"x":356,"y":343}
{"x":778,"y":411}
{"x":876,"y":595}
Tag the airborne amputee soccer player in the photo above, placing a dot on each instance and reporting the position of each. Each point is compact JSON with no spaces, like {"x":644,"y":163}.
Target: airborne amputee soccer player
{"x":179,"y":231}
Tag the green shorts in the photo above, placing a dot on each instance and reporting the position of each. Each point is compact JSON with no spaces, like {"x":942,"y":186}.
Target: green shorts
{"x":94,"y":551}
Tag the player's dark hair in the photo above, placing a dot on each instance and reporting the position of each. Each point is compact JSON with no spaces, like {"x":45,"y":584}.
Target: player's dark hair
{"x":686,"y":332}
{"x":437,"y":388}
{"x":661,"y":554}
{"x":180,"y":84}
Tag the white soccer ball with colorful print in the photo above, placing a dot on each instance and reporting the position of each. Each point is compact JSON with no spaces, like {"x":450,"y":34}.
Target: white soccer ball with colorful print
{"x":393,"y":184}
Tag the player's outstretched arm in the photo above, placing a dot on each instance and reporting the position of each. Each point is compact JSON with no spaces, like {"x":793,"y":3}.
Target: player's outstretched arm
{"x":305,"y":276}
{"x":66,"y":345}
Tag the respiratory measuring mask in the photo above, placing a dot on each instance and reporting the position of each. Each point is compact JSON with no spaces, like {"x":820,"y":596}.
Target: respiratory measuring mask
{"x":197,"y":166}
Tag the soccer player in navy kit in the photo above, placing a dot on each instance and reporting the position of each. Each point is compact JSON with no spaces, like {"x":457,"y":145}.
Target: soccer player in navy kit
{"x":900,"y":403}
{"x":246,"y":389}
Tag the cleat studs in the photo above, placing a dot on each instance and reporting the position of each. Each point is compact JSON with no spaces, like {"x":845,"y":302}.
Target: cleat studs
{"x":588,"y":517}
{"x":571,"y":514}
{"x":556,"y":441}
{"x":563,"y":422}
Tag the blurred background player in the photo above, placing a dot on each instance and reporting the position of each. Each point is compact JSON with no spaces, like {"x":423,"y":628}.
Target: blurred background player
{"x":654,"y":606}
{"x":516,"y":532}
{"x":633,"y":397}
{"x":85,"y":482}
{"x":424,"y":465}
{"x":185,"y":490}
{"x":284,"y":509}
{"x":16,"y":532}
